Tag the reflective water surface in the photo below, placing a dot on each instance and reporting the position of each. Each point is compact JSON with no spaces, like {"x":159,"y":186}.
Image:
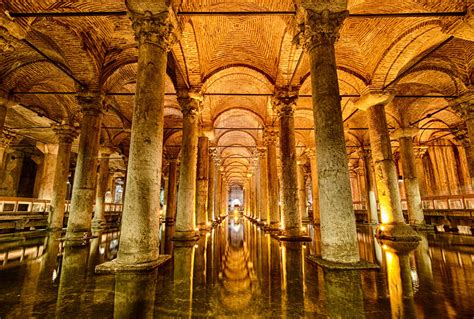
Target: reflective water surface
{"x":236,"y":270}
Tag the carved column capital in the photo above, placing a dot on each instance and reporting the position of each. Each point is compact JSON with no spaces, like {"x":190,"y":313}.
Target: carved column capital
{"x":262,"y":152}
{"x":6,"y":138}
{"x":318,"y":28}
{"x":310,"y":153}
{"x":284,"y":101}
{"x":270,"y":136}
{"x":190,"y":103}
{"x":420,"y":151}
{"x":364,"y":153}
{"x":65,"y":133}
{"x":91,"y":103}
{"x":155,"y":29}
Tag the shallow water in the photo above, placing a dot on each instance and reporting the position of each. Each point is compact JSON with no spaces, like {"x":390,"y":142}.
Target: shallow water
{"x":236,"y":270}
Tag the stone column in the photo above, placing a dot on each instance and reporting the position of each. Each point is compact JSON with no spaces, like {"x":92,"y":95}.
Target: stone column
{"x":44,"y":182}
{"x":464,"y":107}
{"x":284,"y":104}
{"x":302,"y":192}
{"x":212,"y":184}
{"x":186,"y":210}
{"x":419,"y":152}
{"x":372,"y":211}
{"x":224,"y":198}
{"x":394,"y":227}
{"x":139,"y":238}
{"x":66,"y":135}
{"x":6,"y":138}
{"x":270,"y":138}
{"x":99,"y":221}
{"x":412,"y":190}
{"x":338,"y":231}
{"x":314,"y":185}
{"x":263,"y":199}
{"x":218,"y":197}
{"x":172,"y":190}
{"x":202,"y":183}
{"x":83,"y":191}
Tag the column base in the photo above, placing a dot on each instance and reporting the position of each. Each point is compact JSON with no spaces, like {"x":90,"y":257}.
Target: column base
{"x":116,"y":266}
{"x":397,"y":232}
{"x":423,"y":227}
{"x":189,"y":235}
{"x":362,"y":265}
{"x":204,"y":227}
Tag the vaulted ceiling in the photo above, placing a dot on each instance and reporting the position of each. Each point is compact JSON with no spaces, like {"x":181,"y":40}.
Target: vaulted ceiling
{"x":414,"y":47}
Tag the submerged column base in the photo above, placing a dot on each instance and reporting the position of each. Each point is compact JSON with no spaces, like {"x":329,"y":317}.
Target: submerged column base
{"x":99,"y":224}
{"x":342,"y":266}
{"x":77,"y":237}
{"x":397,"y":232}
{"x":117,"y":266}
{"x":190,"y":235}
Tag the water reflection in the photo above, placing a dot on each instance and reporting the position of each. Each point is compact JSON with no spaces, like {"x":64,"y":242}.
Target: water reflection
{"x":236,"y":270}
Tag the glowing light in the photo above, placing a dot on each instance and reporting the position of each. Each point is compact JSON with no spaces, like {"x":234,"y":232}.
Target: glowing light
{"x":303,"y":229}
{"x":382,"y":228}
{"x":196,"y":246}
{"x":304,"y":246}
{"x":384,"y":247}
{"x":196,"y":229}
{"x":384,"y":214}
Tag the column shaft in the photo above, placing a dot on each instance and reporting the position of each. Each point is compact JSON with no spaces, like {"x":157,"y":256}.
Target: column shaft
{"x":172,"y":190}
{"x":385,"y":171}
{"x":315,"y":189}
{"x":273,"y":187}
{"x":83,"y":193}
{"x":99,"y":220}
{"x":139,"y":238}
{"x":186,"y":209}
{"x":202,"y":182}
{"x":338,"y":231}
{"x":302,"y":193}
{"x":211,"y":188}
{"x":66,"y":135}
{"x":415,"y":210}
{"x":218,"y":197}
{"x":373,"y":217}
{"x":263,"y":171}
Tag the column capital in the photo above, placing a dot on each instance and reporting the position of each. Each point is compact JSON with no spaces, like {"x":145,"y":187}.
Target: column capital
{"x":270,"y":136}
{"x":152,"y":26}
{"x":364,"y":153}
{"x":262,"y":152}
{"x":319,"y":26}
{"x":190,"y":102}
{"x":463,"y":27}
{"x":464,"y":106}
{"x":372,"y":96}
{"x":91,"y":103}
{"x":403,"y":132}
{"x":420,"y":151}
{"x":284,"y":101}
{"x":65,"y":133}
{"x":6,"y":138}
{"x":106,"y":150}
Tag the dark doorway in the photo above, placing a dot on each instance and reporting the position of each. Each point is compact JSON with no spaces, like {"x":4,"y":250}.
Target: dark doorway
{"x":27,"y":178}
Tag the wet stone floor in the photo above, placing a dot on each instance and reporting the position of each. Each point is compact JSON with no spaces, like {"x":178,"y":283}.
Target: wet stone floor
{"x":236,"y":270}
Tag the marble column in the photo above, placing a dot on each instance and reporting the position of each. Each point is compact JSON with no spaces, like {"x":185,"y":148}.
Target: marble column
{"x":302,"y":192}
{"x":212,"y":184}
{"x":338,"y":230}
{"x":393,"y":224}
{"x":270,"y":139}
{"x":410,"y":179}
{"x":6,"y":138}
{"x":224,"y":198}
{"x":263,"y":198}
{"x":419,"y":153}
{"x":202,"y":183}
{"x":139,"y":237}
{"x":218,"y":197}
{"x":314,"y":185}
{"x":65,"y":135}
{"x":172,"y":190}
{"x":464,"y":107}
{"x":285,"y":103}
{"x":83,"y":191}
{"x":186,"y":209}
{"x":44,"y":182}
{"x":99,"y":221}
{"x":371,"y":199}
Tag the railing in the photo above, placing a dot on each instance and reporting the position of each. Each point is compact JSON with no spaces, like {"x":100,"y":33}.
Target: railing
{"x":20,"y":213}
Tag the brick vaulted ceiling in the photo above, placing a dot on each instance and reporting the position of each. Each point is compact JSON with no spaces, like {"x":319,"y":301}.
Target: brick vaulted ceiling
{"x":415,"y":55}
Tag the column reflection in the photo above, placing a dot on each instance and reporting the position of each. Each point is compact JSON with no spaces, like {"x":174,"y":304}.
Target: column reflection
{"x":292,"y":298}
{"x":183,"y":277}
{"x":135,"y":295}
{"x":399,"y":279}
{"x":72,"y":281}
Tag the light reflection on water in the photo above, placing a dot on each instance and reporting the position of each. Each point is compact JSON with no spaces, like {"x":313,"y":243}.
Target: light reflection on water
{"x":238,"y":270}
